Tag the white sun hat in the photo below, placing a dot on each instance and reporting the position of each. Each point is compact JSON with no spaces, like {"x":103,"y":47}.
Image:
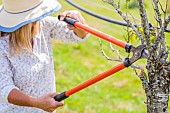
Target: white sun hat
{"x":17,"y":13}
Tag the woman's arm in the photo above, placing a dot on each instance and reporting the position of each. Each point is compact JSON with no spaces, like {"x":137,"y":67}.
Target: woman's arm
{"x":10,"y":93}
{"x":77,"y":16}
{"x":59,"y":30}
{"x":19,"y":98}
{"x":46,"y":102}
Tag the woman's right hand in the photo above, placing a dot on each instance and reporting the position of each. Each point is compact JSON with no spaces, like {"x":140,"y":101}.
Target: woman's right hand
{"x":47,"y":102}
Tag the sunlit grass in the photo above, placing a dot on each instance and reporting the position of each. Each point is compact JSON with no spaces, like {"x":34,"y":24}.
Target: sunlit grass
{"x":120,"y":93}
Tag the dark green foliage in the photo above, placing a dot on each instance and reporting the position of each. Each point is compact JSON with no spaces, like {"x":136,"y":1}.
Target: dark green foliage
{"x":133,"y":5}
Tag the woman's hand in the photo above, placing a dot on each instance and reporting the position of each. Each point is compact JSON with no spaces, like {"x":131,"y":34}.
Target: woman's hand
{"x":77,"y":16}
{"x":47,"y":102}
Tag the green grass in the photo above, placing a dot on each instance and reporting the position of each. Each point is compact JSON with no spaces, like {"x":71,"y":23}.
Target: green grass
{"x":75,"y":63}
{"x":120,"y":93}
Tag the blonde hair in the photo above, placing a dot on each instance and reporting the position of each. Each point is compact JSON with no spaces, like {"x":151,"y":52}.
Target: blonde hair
{"x":22,"y":38}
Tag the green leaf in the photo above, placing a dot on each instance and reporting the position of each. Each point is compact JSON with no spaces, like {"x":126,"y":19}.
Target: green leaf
{"x":152,"y":39}
{"x":133,"y":38}
{"x":127,"y":3}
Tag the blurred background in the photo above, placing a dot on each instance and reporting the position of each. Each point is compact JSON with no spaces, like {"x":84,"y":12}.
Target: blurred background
{"x":75,"y":63}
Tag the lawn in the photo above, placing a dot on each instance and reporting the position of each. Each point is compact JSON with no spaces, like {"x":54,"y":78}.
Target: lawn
{"x":75,"y":63}
{"x":120,"y":93}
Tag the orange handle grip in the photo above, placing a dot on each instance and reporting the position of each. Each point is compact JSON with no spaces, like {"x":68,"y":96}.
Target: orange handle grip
{"x":95,"y":79}
{"x":100,"y":34}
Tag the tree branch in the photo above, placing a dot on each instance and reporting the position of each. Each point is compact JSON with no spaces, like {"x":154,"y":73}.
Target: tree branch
{"x":145,"y":25}
{"x":142,"y":76}
{"x":157,"y":12}
{"x":126,"y":20}
{"x":163,"y":32}
{"x":113,"y":50}
{"x":161,"y":35}
{"x":167,"y":20}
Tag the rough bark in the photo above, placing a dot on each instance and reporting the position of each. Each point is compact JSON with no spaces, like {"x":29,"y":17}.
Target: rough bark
{"x":158,"y":93}
{"x":145,"y":25}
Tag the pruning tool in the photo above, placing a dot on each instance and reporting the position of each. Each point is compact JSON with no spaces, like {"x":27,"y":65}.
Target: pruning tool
{"x":138,"y":53}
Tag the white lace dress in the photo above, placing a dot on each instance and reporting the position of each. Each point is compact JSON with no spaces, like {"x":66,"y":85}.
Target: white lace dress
{"x":32,"y":73}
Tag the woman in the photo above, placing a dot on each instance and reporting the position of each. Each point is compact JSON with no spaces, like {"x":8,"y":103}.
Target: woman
{"x":27,"y":81}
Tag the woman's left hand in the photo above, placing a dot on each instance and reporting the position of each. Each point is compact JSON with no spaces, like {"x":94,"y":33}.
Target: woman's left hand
{"x":77,"y":16}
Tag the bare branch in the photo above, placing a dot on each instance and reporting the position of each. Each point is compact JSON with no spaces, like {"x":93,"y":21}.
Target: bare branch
{"x":164,"y":11}
{"x":166,"y":8}
{"x":160,"y":38}
{"x":163,"y":32}
{"x":117,"y":51}
{"x":142,"y":76}
{"x":157,"y":12}
{"x":145,"y":25}
{"x":108,"y":58}
{"x":161,"y":35}
{"x":127,"y":20}
{"x":167,"y":20}
{"x":163,"y":55}
{"x":127,"y":39}
{"x":119,"y":4}
{"x":133,"y":18}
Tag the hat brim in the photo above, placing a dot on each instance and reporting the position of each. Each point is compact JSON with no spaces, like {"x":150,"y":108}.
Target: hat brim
{"x":10,"y":22}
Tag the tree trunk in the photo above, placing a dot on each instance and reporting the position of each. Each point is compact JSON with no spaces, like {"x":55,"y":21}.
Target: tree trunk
{"x":158,"y":92}
{"x":157,"y":83}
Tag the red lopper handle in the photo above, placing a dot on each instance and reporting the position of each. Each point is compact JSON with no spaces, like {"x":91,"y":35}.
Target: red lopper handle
{"x":101,"y":34}
{"x":97,"y":33}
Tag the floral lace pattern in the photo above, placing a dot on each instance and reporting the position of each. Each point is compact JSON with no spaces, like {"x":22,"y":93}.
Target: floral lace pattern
{"x":32,"y":73}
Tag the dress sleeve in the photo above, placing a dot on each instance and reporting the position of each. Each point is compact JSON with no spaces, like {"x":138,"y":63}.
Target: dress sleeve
{"x":58,"y":30}
{"x":6,"y":77}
